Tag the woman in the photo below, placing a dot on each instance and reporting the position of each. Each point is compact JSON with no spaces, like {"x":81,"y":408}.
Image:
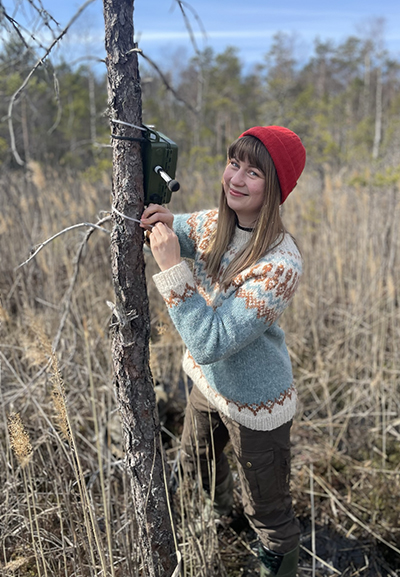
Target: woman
{"x":246,"y":270}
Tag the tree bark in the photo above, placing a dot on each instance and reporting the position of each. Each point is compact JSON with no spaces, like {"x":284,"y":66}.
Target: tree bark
{"x":131,"y":332}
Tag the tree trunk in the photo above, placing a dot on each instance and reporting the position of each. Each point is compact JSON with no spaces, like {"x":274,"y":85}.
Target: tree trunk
{"x":130,"y":346}
{"x":378,"y":115}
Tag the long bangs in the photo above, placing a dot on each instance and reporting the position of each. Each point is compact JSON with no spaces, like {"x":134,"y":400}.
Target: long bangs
{"x":250,"y":149}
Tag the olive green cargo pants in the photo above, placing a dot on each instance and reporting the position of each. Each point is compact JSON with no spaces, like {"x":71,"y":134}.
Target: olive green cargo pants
{"x":263,"y":461}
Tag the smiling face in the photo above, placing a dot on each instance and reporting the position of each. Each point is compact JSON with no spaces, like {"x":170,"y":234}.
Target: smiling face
{"x":244,"y":187}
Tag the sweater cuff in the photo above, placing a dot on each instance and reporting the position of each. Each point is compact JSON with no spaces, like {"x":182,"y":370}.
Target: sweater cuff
{"x":178,"y":278}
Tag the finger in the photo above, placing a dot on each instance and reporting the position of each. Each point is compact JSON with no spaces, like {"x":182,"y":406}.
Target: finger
{"x":162,"y":230}
{"x":156,"y":213}
{"x":146,"y":226}
{"x":157,"y":241}
{"x":155,"y":232}
{"x":158,"y":231}
{"x":151,"y":220}
{"x":151,"y":209}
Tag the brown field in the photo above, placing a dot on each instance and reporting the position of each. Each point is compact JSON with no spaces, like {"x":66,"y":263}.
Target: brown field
{"x":65,"y":505}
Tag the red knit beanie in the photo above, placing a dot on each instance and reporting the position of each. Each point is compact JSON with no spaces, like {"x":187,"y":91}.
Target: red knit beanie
{"x":287,"y":152}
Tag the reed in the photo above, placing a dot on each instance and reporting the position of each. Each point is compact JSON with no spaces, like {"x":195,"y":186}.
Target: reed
{"x":65,"y":502}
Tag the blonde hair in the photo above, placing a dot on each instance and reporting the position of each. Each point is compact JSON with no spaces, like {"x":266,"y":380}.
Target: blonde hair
{"x":268,"y":231}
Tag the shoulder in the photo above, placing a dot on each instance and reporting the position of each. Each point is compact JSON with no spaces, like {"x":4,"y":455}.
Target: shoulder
{"x":197,"y":219}
{"x":203,"y":218}
{"x":268,"y":286}
{"x":280,"y":264}
{"x":202,"y":224}
{"x":286,"y":251}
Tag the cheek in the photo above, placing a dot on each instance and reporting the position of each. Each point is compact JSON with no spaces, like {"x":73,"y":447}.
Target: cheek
{"x":258,"y":196}
{"x":225,"y":180}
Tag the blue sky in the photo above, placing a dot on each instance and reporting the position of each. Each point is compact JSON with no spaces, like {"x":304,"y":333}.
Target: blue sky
{"x":248,"y":25}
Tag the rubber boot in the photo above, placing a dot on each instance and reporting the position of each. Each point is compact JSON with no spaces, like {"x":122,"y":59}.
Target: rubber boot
{"x":223,"y":497}
{"x":278,"y":565}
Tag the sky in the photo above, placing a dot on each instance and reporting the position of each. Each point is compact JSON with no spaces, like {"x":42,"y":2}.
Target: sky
{"x":249,"y":25}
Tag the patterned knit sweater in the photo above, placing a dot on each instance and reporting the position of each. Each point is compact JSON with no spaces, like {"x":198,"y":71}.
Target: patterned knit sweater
{"x":236,"y":352}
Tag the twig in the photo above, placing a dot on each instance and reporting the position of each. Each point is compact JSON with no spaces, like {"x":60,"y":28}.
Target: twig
{"x":19,"y":28}
{"x":88,"y":57}
{"x":313,"y":555}
{"x":41,"y":60}
{"x":178,"y":568}
{"x":181,"y":5}
{"x":312,"y":502}
{"x":164,"y":79}
{"x":45,"y":16}
{"x":15,"y":25}
{"x":46,"y":242}
{"x":68,"y":293}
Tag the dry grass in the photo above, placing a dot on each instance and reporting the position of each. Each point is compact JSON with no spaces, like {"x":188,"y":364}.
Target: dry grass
{"x":65,"y":502}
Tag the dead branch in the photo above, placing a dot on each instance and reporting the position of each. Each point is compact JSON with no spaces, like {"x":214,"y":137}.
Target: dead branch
{"x":182,"y":5}
{"x":46,"y":242}
{"x":41,"y":61}
{"x":69,"y":291}
{"x":16,"y":27}
{"x":164,"y":79}
{"x":44,"y":15}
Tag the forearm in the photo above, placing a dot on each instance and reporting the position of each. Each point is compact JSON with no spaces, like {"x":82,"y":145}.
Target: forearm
{"x":209,"y":334}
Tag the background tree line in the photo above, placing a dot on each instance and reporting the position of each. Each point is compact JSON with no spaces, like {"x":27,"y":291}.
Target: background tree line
{"x":344,"y":101}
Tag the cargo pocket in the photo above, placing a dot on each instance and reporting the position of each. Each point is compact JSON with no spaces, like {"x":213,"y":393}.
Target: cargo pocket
{"x":265,"y":476}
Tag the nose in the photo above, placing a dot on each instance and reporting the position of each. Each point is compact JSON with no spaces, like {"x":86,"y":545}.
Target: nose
{"x":238,"y":177}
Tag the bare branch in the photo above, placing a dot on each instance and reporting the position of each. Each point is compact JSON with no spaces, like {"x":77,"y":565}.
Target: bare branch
{"x":15,"y":26}
{"x":69,"y":291}
{"x":49,"y":240}
{"x":164,"y":79}
{"x":44,"y":15}
{"x":182,"y":5}
{"x":87,"y":57}
{"x":41,"y":60}
{"x":19,"y":28}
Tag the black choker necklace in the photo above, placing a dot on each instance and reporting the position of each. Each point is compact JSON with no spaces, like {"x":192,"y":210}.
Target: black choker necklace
{"x":247,"y":229}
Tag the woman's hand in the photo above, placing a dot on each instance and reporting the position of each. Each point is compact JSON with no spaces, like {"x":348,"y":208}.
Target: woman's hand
{"x":156,"y":213}
{"x":165,"y":247}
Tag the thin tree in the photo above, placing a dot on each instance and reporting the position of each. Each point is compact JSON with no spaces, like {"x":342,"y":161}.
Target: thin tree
{"x":130,"y":345}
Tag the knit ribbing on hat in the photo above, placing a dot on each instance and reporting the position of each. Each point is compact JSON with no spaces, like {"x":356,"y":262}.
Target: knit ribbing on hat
{"x":287,"y":152}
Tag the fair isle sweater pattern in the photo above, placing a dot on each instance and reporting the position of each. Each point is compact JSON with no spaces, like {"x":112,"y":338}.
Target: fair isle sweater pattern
{"x":236,"y":352}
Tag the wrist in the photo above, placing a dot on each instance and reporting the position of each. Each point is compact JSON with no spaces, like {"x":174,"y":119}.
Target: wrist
{"x":174,"y":279}
{"x":169,"y":264}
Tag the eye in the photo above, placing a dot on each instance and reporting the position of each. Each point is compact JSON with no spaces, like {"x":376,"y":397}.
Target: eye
{"x":255,"y":173}
{"x":234,"y":163}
